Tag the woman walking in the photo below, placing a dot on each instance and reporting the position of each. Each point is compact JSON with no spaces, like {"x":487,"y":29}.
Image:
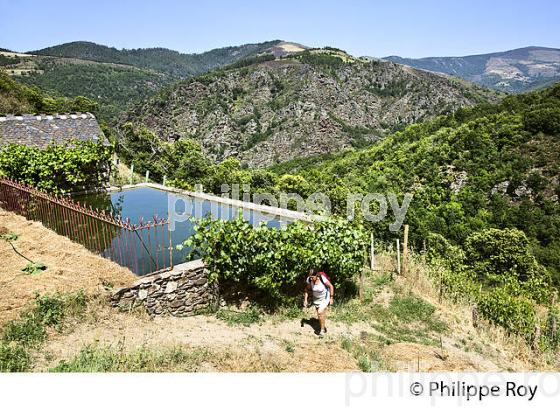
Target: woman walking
{"x":322,"y":292}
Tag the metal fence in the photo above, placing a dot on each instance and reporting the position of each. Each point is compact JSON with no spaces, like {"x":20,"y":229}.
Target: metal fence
{"x":143,"y":247}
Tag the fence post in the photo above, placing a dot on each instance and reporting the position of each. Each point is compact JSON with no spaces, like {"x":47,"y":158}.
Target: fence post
{"x":131,"y":174}
{"x":164,"y":179}
{"x":361,"y":290}
{"x":371,"y":253}
{"x":398,"y":257}
{"x":147,"y":175}
{"x":405,"y":252}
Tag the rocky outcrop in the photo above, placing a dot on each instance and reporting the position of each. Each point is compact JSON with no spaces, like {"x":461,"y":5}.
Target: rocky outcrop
{"x":180,"y":292}
{"x":301,"y":105}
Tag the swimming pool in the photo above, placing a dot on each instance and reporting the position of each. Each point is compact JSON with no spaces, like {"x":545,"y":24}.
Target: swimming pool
{"x":143,"y":203}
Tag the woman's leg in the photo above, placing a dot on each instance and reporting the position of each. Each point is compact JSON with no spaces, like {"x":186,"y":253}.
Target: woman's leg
{"x":322,"y":315}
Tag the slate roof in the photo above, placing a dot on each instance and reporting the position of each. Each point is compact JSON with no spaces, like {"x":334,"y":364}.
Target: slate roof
{"x":41,"y":130}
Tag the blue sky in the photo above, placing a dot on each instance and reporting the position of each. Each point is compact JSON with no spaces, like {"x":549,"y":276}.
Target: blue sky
{"x":374,"y":28}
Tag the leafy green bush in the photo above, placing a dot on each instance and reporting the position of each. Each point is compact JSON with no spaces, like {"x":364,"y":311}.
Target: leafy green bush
{"x":514,"y":313}
{"x":274,"y":261}
{"x":440,"y":249}
{"x":57,"y":168}
{"x":503,"y":257}
{"x":545,"y":120}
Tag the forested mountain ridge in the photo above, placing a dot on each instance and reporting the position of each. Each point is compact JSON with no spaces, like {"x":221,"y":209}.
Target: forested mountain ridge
{"x":267,"y":110}
{"x":516,"y":70}
{"x":115,"y":79}
{"x":113,"y":86}
{"x":171,"y":62}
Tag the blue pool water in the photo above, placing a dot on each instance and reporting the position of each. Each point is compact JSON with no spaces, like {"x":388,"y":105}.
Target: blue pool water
{"x":143,"y":204}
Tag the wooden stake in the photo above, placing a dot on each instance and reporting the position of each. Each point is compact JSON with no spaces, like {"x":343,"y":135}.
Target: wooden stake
{"x":147,"y":175}
{"x":398,"y":257}
{"x":131,"y":173}
{"x":405,"y":252}
{"x":362,"y":285}
{"x":371,"y":254}
{"x":440,"y":285}
{"x":164,"y":180}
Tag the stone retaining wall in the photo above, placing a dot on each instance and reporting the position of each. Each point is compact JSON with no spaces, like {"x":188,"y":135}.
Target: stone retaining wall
{"x":179,"y":292}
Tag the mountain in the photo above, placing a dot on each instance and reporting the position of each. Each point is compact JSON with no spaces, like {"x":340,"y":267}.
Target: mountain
{"x":112,"y":86}
{"x":487,"y":166}
{"x":267,"y":110}
{"x":118,"y":78}
{"x":513,"y":71}
{"x":163,"y":60}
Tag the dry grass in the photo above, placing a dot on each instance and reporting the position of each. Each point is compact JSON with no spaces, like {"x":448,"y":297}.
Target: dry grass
{"x":508,"y":352}
{"x":70,"y":267}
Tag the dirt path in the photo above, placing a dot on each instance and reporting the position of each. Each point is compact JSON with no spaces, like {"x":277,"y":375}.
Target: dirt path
{"x":70,"y":267}
{"x":273,"y":345}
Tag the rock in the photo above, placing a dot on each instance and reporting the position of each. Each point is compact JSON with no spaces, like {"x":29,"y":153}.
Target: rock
{"x":170,"y":287}
{"x":201,"y":281}
{"x":177,"y":303}
{"x":500,"y":188}
{"x":154,"y":288}
{"x":523,"y":190}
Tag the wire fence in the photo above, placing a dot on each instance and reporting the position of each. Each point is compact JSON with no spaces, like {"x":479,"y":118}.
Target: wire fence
{"x":144,"y":247}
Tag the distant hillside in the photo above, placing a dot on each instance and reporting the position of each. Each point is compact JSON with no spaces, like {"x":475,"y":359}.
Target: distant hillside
{"x":267,"y":110}
{"x":161,"y":59}
{"x":118,"y":78}
{"x":16,"y":98}
{"x":511,"y":71}
{"x":113,"y":86}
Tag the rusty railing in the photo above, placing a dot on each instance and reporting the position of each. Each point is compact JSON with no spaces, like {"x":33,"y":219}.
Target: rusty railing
{"x":143,"y":247}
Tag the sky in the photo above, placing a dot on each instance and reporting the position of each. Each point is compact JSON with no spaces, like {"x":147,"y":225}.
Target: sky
{"x":363,"y":28}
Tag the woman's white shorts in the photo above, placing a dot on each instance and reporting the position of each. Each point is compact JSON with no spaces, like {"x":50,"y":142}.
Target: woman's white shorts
{"x":321,"y":305}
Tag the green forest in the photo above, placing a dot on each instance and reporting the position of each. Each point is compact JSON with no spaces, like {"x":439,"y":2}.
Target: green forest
{"x":16,"y":98}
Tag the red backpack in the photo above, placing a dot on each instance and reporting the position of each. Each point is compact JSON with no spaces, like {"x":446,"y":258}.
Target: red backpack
{"x":323,"y":276}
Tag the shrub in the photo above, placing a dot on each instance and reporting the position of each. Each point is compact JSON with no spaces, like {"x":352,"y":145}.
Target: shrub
{"x":514,"y":313}
{"x":441,"y":250}
{"x":501,"y":256}
{"x":57,"y":168}
{"x":273,"y":261}
{"x":545,"y":120}
{"x":293,"y":184}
